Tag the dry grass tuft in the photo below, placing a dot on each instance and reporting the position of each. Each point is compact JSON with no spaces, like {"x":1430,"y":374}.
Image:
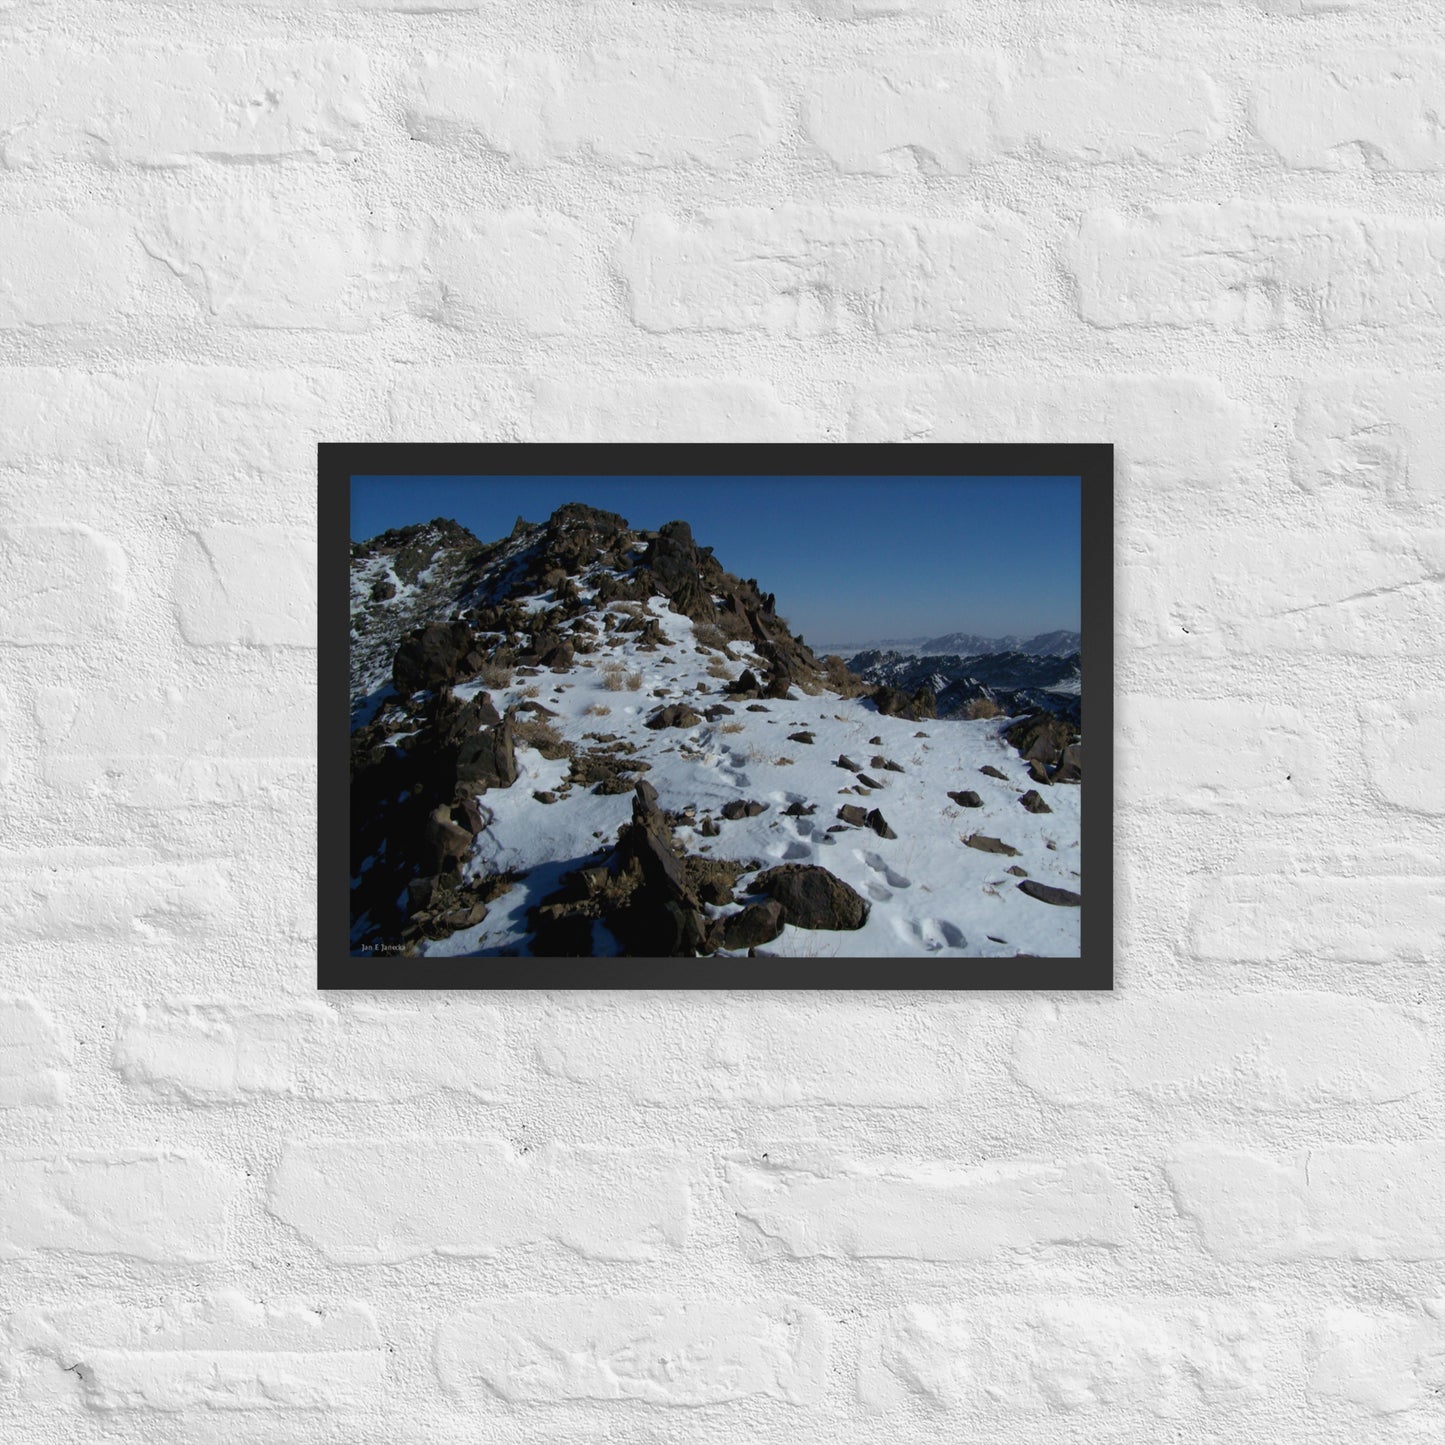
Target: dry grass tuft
{"x":537,"y":732}
{"x":532,"y":691}
{"x":491,"y":675}
{"x":598,"y":709}
{"x":732,"y":727}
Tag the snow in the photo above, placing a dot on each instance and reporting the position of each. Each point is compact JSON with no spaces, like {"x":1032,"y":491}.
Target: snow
{"x":929,"y":893}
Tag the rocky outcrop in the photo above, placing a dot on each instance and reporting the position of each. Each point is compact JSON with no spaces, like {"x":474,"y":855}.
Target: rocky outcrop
{"x":812,"y":897}
{"x":430,"y":657}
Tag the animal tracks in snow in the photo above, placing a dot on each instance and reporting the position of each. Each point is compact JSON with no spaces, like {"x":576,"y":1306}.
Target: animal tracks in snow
{"x":931,"y":934}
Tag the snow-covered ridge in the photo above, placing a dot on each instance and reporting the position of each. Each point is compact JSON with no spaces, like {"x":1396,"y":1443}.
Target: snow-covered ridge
{"x":787,"y":764}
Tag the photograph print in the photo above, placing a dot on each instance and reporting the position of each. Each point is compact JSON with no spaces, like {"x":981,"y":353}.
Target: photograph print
{"x":716,"y":717}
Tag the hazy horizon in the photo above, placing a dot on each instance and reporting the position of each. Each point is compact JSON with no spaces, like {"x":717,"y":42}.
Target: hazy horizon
{"x":850,"y":559}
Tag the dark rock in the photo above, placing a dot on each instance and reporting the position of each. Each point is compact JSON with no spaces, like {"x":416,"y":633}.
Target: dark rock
{"x":754,"y":808}
{"x":758,"y":923}
{"x":545,"y":797}
{"x":709,"y":828}
{"x":383,"y":590}
{"x":718,"y":710}
{"x":800,"y":810}
{"x":800,"y":737}
{"x":734,"y":810}
{"x":836,"y":828}
{"x":868,"y":782}
{"x":878,"y":761}
{"x":967,"y":799}
{"x":1045,"y":893}
{"x":875,"y":742}
{"x":757,"y":707}
{"x":1070,"y":768}
{"x":852,"y":813}
{"x":1034,"y":803}
{"x":988,"y":770}
{"x":1039,"y":772}
{"x":1017,"y":871}
{"x":429,"y":657}
{"x":488,"y":759}
{"x":746,"y":685}
{"x":1041,"y":738}
{"x":985,"y":844}
{"x":675,"y":715}
{"x":844,"y":761}
{"x":812,"y":897}
{"x":712,"y":879}
{"x":879,"y":825}
{"x":915,"y":706}
{"x":613,"y":786}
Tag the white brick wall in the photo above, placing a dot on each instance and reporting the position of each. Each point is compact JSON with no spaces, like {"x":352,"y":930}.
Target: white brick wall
{"x":1209,"y":1207}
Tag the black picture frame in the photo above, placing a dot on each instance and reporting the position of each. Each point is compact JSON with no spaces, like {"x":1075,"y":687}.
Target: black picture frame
{"x":1092,"y":463}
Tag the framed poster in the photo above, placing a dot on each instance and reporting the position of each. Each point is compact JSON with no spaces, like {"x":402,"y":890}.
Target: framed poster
{"x":716,"y":716}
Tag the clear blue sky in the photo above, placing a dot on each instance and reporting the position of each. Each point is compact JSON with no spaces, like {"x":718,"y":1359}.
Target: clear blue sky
{"x":851,"y":559}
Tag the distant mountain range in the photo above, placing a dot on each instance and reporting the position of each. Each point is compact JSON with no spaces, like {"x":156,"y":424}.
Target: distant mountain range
{"x":963,"y":644}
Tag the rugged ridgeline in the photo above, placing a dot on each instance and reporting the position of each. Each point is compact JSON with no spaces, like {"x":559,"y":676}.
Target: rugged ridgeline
{"x":970,"y":685}
{"x":550,"y":730}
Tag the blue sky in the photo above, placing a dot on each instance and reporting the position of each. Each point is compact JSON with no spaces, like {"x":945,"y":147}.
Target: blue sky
{"x":851,"y":559}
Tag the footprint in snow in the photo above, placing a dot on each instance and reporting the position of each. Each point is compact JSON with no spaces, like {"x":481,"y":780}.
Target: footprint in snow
{"x":932,"y":934}
{"x":880,"y":866}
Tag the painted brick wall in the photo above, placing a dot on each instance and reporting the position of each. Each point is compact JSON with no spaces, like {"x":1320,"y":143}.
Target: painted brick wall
{"x":1210,"y":1207}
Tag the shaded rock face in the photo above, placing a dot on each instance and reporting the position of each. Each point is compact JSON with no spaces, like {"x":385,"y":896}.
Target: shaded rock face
{"x":914,"y":706}
{"x":488,"y":759}
{"x":675,"y":715}
{"x":676,"y":568}
{"x":757,"y":924}
{"x":1047,"y":893}
{"x":812,"y":897}
{"x":1050,"y":746}
{"x":430,"y":657}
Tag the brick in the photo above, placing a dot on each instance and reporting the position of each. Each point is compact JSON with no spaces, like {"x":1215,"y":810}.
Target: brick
{"x":67,"y":270}
{"x":809,"y":271}
{"x":628,"y":109}
{"x":931,"y":114}
{"x":1229,"y":754}
{"x":330,"y":266}
{"x":1258,"y":918}
{"x":250,"y":585}
{"x":1164,"y":1357}
{"x":64,"y":583}
{"x":770,"y":1054}
{"x":1092,"y":107}
{"x":33,"y":1055}
{"x":1400,"y":739}
{"x":819,"y":1204}
{"x":658,"y":1350}
{"x":1273,"y":1051}
{"x":1341,"y":1201}
{"x":482,"y":273}
{"x":1169,"y":430}
{"x":1380,"y":432}
{"x":378,"y":1201}
{"x":645,"y":409}
{"x":165,"y":106}
{"x":90,"y":893}
{"x":1380,"y":1362}
{"x":160,"y":749}
{"x":1355,"y":110}
{"x":1247,"y":266}
{"x":231,"y":1053}
{"x":167,"y":1206}
{"x":173,"y":421}
{"x":220,"y":1352}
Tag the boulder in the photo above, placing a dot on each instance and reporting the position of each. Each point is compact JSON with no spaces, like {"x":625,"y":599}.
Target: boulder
{"x":757,"y":923}
{"x":844,"y":761}
{"x":985,"y":844}
{"x":1034,"y":803}
{"x":430,"y":657}
{"x":878,"y":761}
{"x":804,"y":737}
{"x":800,"y":810}
{"x":989,"y":771}
{"x":967,"y":799}
{"x":868,"y":782}
{"x":1070,"y":768}
{"x":488,"y":759}
{"x":852,"y":813}
{"x":812,"y":897}
{"x":915,"y":706}
{"x":675,"y":715}
{"x":383,"y":590}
